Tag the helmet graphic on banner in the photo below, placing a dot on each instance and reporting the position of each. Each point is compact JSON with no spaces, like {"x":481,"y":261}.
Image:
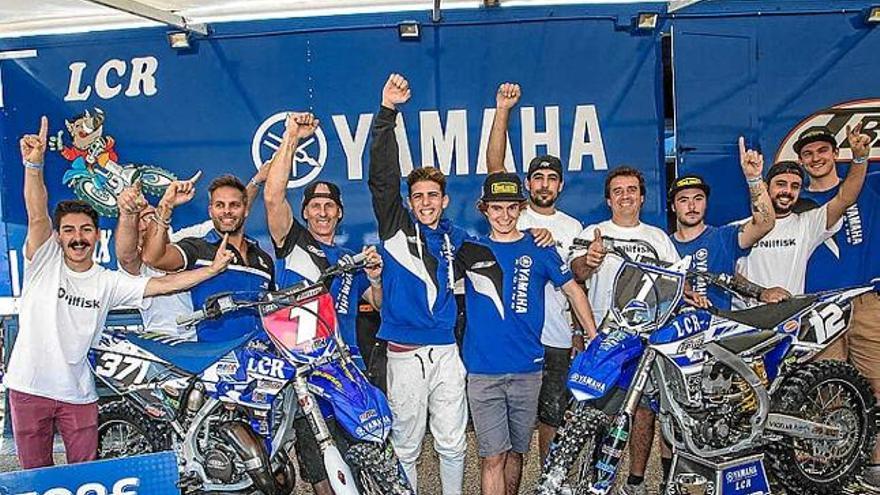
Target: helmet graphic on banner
{"x":308,"y":160}
{"x":834,"y":120}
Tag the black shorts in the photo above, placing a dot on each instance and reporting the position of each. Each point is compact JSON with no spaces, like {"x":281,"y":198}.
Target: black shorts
{"x":554,"y":396}
{"x":308,"y":455}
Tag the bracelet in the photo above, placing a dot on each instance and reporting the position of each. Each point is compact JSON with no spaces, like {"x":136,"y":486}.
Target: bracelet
{"x":375,"y":282}
{"x":857,"y":161}
{"x":577,"y":332}
{"x":32,"y":165}
{"x":253,"y":182}
{"x":754,"y":182}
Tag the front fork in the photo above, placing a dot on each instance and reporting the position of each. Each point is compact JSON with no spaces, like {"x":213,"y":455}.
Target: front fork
{"x":338,"y":472}
{"x":610,"y":451}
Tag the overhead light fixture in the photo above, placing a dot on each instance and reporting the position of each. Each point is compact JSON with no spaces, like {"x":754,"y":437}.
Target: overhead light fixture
{"x":873,"y":15}
{"x":647,"y":20}
{"x":179,"y":40}
{"x":409,"y":30}
{"x":491,"y":3}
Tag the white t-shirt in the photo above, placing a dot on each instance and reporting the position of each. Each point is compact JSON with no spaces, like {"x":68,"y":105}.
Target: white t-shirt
{"x":600,"y":285}
{"x":557,"y":319}
{"x":61,"y":315}
{"x":780,"y":258}
{"x":159,"y":313}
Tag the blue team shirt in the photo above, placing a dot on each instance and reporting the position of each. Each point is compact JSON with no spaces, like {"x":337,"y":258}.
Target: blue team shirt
{"x":852,"y":256}
{"x":715,"y":250}
{"x":504,"y":294}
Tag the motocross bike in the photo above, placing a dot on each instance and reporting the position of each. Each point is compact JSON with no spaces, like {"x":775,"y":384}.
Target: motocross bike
{"x":729,"y":383}
{"x":227,"y":408}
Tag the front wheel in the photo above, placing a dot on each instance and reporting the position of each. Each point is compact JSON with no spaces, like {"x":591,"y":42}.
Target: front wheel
{"x":569,"y":465}
{"x":123,"y":432}
{"x":833,"y":393}
{"x":377,"y":470}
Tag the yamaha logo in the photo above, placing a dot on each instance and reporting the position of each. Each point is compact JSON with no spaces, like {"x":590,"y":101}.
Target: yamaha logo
{"x":836,"y":119}
{"x":308,"y":160}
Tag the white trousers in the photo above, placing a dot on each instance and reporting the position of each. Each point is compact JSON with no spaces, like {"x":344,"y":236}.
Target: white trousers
{"x":427,"y":381}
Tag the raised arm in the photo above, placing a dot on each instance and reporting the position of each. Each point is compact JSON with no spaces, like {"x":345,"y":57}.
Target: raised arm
{"x":763,"y":219}
{"x":384,"y":178}
{"x":176,"y":282}
{"x":36,"y":197}
{"x":252,"y":190}
{"x":159,"y":252}
{"x":373,"y":269}
{"x":279,"y":214}
{"x":505,"y":99}
{"x":131,"y":204}
{"x":580,"y":306}
{"x":846,"y":196}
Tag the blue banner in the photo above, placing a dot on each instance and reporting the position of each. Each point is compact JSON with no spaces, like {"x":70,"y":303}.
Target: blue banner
{"x":591,"y":94}
{"x":153,"y":474}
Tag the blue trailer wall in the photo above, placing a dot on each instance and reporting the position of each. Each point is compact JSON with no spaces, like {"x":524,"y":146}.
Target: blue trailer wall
{"x":591,"y":92}
{"x":766,"y":71}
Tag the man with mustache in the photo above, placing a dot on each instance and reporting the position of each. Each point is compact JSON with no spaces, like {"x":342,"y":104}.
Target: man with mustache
{"x":780,"y":258}
{"x":716,"y":249}
{"x":544,"y":181}
{"x":251,"y":271}
{"x":136,"y":218}
{"x":847,"y":259}
{"x":63,"y":308}
{"x":303,"y":252}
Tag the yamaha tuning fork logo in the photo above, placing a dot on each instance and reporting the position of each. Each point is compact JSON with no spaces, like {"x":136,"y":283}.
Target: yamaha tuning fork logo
{"x":836,"y":118}
{"x":308,"y":160}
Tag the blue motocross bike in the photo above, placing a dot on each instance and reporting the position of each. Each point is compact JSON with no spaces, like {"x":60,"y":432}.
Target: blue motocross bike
{"x":726,"y":384}
{"x":227,"y":408}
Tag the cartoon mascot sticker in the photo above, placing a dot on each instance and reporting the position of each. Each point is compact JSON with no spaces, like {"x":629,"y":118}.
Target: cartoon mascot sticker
{"x":95,"y":174}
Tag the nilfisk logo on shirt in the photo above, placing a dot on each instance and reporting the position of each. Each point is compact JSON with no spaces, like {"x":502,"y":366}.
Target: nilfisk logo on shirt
{"x":522,"y":273}
{"x":776,"y":243}
{"x":78,"y":301}
{"x":836,"y":118}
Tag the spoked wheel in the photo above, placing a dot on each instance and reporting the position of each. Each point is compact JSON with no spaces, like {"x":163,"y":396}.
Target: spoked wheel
{"x":377,"y":470}
{"x":832,"y":393}
{"x":569,"y":465}
{"x":123,"y":432}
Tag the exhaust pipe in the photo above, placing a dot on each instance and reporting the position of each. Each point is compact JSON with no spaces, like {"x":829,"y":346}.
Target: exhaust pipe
{"x":249,"y":447}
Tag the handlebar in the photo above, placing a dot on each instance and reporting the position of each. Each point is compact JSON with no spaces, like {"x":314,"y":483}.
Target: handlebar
{"x":299,"y":293}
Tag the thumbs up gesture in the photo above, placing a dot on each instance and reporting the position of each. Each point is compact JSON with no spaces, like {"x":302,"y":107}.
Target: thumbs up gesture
{"x":596,"y":252}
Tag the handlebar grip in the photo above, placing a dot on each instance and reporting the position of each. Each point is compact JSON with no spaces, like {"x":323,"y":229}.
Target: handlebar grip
{"x":184,"y":320}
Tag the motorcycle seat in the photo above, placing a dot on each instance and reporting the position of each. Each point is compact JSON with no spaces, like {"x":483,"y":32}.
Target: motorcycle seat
{"x":768,"y":316}
{"x":739,"y":343}
{"x":192,"y":357}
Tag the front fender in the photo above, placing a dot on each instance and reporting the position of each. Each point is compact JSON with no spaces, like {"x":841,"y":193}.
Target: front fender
{"x":357,"y":405}
{"x":610,"y":360}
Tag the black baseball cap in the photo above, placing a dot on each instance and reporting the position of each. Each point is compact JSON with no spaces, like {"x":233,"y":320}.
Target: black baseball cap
{"x":311,"y":192}
{"x":687,"y":182}
{"x":502,"y":186}
{"x":785,"y":167}
{"x":545,"y":162}
{"x":813,"y":135}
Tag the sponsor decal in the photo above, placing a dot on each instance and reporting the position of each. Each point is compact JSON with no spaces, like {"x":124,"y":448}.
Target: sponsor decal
{"x":836,"y":118}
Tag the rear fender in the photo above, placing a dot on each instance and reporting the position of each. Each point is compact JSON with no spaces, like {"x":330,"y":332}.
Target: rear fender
{"x":610,"y":360}
{"x":357,"y":405}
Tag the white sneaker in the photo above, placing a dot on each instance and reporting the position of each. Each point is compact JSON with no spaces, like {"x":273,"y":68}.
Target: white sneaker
{"x":633,"y":489}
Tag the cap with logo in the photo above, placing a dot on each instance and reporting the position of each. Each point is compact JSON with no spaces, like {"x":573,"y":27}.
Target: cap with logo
{"x":687,"y":182}
{"x":814,"y":135}
{"x":329,"y":191}
{"x":545,"y":162}
{"x":785,"y":167}
{"x":502,"y":186}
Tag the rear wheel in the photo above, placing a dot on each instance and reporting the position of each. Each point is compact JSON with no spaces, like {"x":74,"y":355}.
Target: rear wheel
{"x":833,"y":393}
{"x":123,"y":432}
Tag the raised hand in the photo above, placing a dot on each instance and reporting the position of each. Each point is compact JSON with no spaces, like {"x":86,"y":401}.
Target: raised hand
{"x":178,"y":193}
{"x":507,"y":96}
{"x":131,"y":200}
{"x":596,"y":252}
{"x":751,"y":161}
{"x":395,"y":92}
{"x":300,"y":125}
{"x":33,"y":146}
{"x":859,"y":143}
{"x":373,"y":262}
{"x":223,"y":257}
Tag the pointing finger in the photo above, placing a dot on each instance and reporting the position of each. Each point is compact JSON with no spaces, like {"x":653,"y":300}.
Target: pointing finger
{"x":195,"y":177}
{"x":44,"y":128}
{"x":742,"y":146}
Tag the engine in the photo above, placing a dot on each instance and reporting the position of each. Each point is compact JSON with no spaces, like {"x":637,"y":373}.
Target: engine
{"x":221,"y":462}
{"x":720,"y":402}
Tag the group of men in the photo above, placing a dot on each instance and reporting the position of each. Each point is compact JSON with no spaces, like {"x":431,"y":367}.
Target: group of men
{"x":531,"y":300}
